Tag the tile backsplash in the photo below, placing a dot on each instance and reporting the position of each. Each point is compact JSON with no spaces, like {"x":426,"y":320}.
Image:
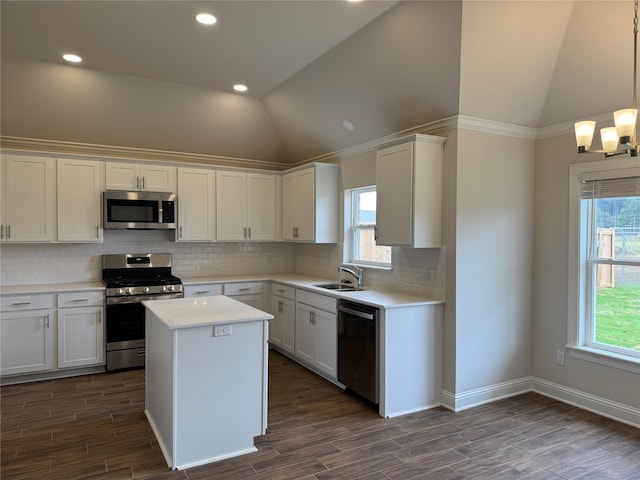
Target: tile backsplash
{"x":418,"y":271}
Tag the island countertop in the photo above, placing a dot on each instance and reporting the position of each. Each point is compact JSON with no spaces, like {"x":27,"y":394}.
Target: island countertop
{"x":203,"y":311}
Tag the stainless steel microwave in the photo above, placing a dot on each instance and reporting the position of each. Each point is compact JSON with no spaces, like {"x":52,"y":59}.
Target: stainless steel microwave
{"x":139,"y":210}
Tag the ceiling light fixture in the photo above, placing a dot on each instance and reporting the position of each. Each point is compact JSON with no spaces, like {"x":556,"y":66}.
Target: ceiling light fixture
{"x":348,"y":125}
{"x":70,"y":57}
{"x":625,"y":120}
{"x":239,"y":87}
{"x":206,"y":19}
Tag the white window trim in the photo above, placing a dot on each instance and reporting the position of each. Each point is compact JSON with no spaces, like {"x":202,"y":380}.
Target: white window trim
{"x":577,"y":276}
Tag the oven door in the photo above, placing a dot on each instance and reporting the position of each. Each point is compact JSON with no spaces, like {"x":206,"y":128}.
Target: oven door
{"x":125,"y":319}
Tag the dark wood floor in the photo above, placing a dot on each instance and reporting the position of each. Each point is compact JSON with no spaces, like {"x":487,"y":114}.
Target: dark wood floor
{"x":93,"y":427}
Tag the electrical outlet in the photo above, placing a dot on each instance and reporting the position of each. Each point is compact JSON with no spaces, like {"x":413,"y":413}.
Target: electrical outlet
{"x":221,"y":330}
{"x":560,"y":357}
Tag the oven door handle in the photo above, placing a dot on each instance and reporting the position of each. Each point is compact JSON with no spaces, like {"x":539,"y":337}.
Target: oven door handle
{"x":140,"y":298}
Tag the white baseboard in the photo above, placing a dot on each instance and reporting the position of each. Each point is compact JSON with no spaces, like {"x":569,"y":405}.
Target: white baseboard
{"x":592,"y":403}
{"x":480,"y":396}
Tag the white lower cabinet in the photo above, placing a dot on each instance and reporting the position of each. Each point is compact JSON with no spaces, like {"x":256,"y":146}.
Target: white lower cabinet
{"x":80,"y":329}
{"x":26,"y":339}
{"x":316,"y":332}
{"x":249,"y":293}
{"x":283,"y":309}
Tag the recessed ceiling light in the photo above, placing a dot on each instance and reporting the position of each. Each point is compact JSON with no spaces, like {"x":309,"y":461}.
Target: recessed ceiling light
{"x":348,"y":125}
{"x":239,"y":87}
{"x":206,"y":19}
{"x":70,"y":57}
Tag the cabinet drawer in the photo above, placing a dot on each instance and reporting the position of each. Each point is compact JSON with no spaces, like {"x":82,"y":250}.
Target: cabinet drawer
{"x":80,"y":299}
{"x":15,"y":303}
{"x":318,"y":301}
{"x":283,"y":291}
{"x":242,"y":288}
{"x":204,"y":290}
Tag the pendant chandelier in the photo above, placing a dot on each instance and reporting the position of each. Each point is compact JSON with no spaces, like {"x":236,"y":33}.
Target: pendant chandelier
{"x":625,"y":120}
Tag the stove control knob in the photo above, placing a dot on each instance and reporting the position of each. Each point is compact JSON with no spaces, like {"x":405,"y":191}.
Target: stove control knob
{"x":119,"y":291}
{"x":163,"y":288}
{"x":128,"y":290}
{"x":145,"y":289}
{"x":171,"y":288}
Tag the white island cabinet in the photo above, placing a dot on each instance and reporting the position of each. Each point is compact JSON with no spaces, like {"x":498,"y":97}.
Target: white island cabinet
{"x":206,"y":378}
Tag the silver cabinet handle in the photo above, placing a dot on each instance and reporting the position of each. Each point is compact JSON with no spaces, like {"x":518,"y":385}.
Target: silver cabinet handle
{"x":180,"y":232}
{"x":249,"y":232}
{"x":1,"y":232}
{"x":202,"y":292}
{"x":244,"y":232}
{"x":375,"y":234}
{"x":47,"y":320}
{"x":244,"y":289}
{"x":20,"y":304}
{"x":97,"y":231}
{"x":138,"y":181}
{"x":99,"y":316}
{"x":142,"y":183}
{"x":8,"y":232}
{"x":78,"y":300}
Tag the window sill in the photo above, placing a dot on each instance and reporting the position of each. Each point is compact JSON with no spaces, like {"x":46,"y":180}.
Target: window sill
{"x":610,"y":359}
{"x":370,"y":267}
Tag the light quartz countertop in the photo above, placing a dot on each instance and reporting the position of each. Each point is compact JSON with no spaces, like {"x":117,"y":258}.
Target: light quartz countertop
{"x":50,"y":288}
{"x":374,"y":297}
{"x":204,"y":311}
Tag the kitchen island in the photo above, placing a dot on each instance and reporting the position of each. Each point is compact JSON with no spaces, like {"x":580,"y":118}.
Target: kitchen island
{"x":206,"y":378}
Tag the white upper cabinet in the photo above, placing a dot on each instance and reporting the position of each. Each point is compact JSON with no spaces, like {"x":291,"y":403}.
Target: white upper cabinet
{"x":28,"y":199}
{"x":80,"y":200}
{"x":310,"y":204}
{"x":140,"y":177}
{"x":196,"y":213}
{"x":246,"y":206}
{"x":409,"y":192}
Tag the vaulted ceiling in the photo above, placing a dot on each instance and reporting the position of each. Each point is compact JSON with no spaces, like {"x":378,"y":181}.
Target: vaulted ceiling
{"x":153,"y":78}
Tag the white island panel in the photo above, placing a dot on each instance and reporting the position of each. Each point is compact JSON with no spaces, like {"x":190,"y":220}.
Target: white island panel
{"x":206,"y":394}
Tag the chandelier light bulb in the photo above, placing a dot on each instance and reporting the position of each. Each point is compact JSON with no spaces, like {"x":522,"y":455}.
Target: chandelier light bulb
{"x":609,"y":137}
{"x":584,"y":133}
{"x":625,"y":121}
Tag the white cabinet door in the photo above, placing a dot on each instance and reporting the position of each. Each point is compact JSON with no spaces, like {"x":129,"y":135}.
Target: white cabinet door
{"x":394,"y":193}
{"x":310,"y":204}
{"x":79,"y":200}
{"x":305,"y":333}
{"x":245,"y":206}
{"x":196,"y":215}
{"x":80,"y":336}
{"x":409,"y":192}
{"x":158,"y":178}
{"x":140,"y":177}
{"x":28,"y":199}
{"x":231,"y":206}
{"x":282,"y":327}
{"x":261,"y":206}
{"x":26,"y":341}
{"x":326,"y":331}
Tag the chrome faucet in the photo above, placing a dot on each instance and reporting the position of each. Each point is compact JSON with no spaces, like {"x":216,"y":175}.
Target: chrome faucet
{"x":353,"y":270}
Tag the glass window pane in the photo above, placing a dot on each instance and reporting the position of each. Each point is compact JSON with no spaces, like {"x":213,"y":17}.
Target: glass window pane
{"x":617,"y":306}
{"x":367,"y":250}
{"x":618,"y":228}
{"x":366,"y":208}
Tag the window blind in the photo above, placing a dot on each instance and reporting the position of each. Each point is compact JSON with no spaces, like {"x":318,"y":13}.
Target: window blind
{"x":610,"y":188}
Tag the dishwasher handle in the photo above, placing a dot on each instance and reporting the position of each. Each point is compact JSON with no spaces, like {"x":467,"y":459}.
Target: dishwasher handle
{"x":356,"y":313}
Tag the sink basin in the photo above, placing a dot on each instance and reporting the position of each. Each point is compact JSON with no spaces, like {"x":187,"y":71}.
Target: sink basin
{"x":340,"y":287}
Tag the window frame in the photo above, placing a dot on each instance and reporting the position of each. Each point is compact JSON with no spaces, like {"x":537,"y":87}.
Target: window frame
{"x":350,"y":209}
{"x":581,"y":268}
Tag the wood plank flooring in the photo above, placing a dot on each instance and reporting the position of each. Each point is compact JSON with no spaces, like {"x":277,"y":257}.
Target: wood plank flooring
{"x":93,"y":427}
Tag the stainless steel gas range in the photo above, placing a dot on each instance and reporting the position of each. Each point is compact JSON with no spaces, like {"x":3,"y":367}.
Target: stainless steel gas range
{"x":130,"y":279}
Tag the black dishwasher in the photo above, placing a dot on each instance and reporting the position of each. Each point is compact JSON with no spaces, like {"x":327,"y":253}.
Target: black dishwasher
{"x":357,"y":348}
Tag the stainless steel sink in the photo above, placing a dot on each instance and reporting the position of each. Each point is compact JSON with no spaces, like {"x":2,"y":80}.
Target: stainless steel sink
{"x":339,"y":287}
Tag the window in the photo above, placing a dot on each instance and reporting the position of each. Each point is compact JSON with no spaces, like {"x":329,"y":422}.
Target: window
{"x":360,"y":244}
{"x":605,"y":262}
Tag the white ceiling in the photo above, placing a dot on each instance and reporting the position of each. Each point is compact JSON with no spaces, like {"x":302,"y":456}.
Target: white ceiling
{"x":153,"y":78}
